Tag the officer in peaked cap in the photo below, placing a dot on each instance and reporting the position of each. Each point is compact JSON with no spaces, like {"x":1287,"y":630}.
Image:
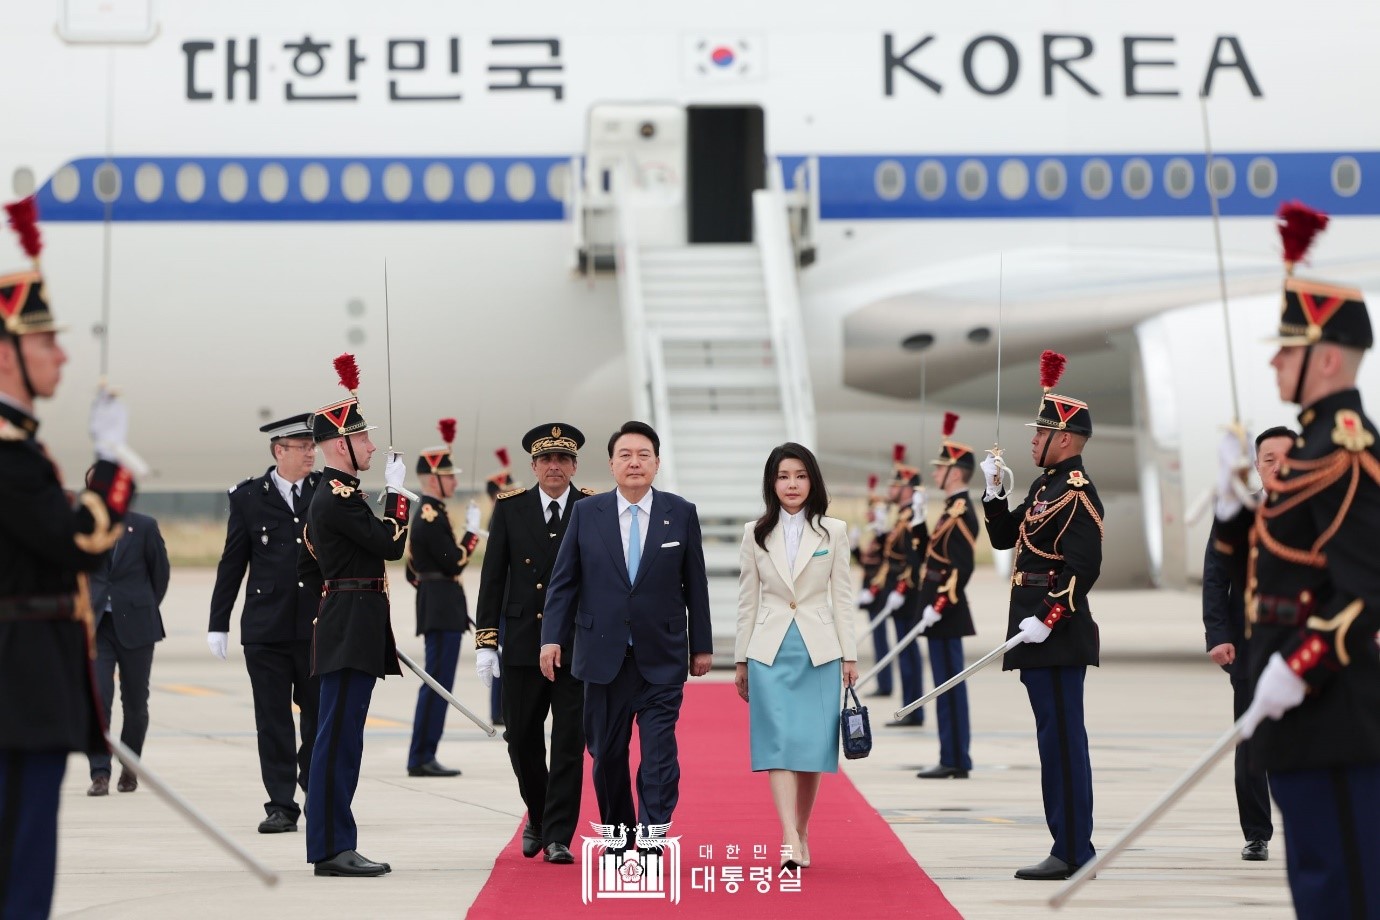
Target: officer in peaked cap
{"x":1057,"y":533}
{"x":264,"y":536}
{"x":48,"y":705}
{"x":1305,"y":558}
{"x":353,"y":638}
{"x":944,"y":603}
{"x":524,"y":534}
{"x":436,"y":560}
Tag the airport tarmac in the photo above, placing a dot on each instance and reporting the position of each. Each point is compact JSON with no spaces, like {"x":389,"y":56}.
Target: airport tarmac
{"x":1153,"y":707}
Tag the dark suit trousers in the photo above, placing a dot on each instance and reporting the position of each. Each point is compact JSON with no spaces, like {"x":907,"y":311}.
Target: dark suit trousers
{"x":280,"y":675}
{"x":135,"y":665}
{"x":1252,"y":788}
{"x":552,"y":796}
{"x":29,"y":787}
{"x":609,"y":712}
{"x":442,"y":655}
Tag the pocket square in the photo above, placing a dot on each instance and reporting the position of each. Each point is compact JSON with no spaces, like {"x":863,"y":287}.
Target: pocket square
{"x":823,"y":552}
{"x":671,"y":544}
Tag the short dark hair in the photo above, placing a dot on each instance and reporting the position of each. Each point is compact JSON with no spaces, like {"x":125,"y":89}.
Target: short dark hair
{"x":636,"y":427}
{"x":1279,"y":431}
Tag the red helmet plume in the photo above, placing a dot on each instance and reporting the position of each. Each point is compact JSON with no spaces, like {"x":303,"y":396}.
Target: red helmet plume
{"x":24,"y":222}
{"x":950,"y":423}
{"x":348,"y":371}
{"x":871,"y":482}
{"x":1051,"y":369}
{"x":447,"y":428}
{"x":898,"y":453}
{"x":1298,"y":226}
{"x":502,"y":455}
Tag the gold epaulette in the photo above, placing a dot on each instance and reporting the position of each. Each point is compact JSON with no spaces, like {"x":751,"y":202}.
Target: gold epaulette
{"x":588,"y":491}
{"x":958,"y":508}
{"x":429,"y":513}
{"x":509,"y":494}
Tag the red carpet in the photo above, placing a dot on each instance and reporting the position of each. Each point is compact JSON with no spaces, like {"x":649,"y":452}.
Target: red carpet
{"x":859,"y":868}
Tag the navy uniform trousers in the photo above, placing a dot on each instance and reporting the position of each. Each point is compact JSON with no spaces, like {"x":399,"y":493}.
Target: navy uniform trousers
{"x":1330,"y":816}
{"x":946,"y":660}
{"x":881,"y":644}
{"x":1056,"y":697}
{"x":442,"y":655}
{"x":909,"y":662}
{"x":335,"y":759}
{"x":29,"y":786}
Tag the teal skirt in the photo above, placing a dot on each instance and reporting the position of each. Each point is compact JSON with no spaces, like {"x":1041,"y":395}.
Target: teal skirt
{"x":794,"y":709}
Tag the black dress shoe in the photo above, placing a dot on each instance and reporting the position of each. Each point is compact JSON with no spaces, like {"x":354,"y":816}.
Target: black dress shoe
{"x":100,"y":785}
{"x":128,"y":782}
{"x":350,"y":863}
{"x":942,"y":772}
{"x":879,"y":693}
{"x":1051,"y":869}
{"x":531,"y":840}
{"x":1256,"y":851}
{"x":558,"y":853}
{"x":431,"y":768}
{"x":277,"y":822}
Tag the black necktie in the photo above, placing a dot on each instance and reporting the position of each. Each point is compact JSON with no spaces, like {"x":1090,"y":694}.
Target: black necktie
{"x":296,"y":496}
{"x":555,"y":509}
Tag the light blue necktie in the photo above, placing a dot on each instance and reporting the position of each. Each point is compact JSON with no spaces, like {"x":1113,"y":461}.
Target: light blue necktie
{"x":634,"y":545}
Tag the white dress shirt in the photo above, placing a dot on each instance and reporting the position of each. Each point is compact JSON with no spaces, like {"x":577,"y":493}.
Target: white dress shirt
{"x":546,"y":501}
{"x":644,"y":519}
{"x":792,"y":528}
{"x":285,"y":487}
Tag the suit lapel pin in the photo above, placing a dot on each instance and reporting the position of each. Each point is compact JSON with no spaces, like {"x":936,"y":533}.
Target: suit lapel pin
{"x":666,"y":523}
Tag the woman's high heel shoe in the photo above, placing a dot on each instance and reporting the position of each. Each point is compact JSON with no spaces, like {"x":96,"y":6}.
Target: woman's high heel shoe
{"x":803,"y":860}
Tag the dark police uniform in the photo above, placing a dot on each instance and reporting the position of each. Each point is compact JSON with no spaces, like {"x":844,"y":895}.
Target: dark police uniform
{"x":1312,"y":589}
{"x":903,"y":556}
{"x":352,"y":644}
{"x":48,"y":701}
{"x":436,"y":561}
{"x":264,"y":536}
{"x":512,"y":594}
{"x":948,"y":566}
{"x":1057,"y":533}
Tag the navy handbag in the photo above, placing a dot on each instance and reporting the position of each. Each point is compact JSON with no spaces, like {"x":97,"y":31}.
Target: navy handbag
{"x":856,"y":730}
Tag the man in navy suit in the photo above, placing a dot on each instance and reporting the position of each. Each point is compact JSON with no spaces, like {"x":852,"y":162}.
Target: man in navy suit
{"x":629,"y":583}
{"x":126,"y":590}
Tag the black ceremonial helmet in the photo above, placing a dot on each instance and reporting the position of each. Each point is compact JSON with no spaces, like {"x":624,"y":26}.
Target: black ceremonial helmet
{"x":953,"y":453}
{"x":24,"y":309}
{"x":343,"y":418}
{"x":437,"y":461}
{"x":1059,"y":413}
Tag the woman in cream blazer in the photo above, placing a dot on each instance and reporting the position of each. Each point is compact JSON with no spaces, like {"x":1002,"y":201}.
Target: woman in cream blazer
{"x":795,"y":648}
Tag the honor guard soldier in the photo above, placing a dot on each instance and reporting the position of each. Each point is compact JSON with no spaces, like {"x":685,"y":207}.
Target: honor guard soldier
{"x":264,"y":537}
{"x":868,"y":555}
{"x":946,"y":617}
{"x":48,"y":702}
{"x":903,"y":554}
{"x":497,"y":484}
{"x":352,"y":644}
{"x":1057,"y":533}
{"x":524,"y":534}
{"x":436,"y":561}
{"x":1312,"y":590}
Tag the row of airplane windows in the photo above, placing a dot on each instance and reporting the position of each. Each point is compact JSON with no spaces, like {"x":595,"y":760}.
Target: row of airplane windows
{"x":273,"y":182}
{"x":1096,"y":178}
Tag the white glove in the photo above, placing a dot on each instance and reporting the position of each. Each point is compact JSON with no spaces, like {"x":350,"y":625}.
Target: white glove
{"x":1277,"y":691}
{"x":879,"y":522}
{"x":929,"y":617}
{"x":395,"y":473}
{"x":472,"y":518}
{"x":866,"y":596}
{"x":1232,"y":464}
{"x":917,"y":504}
{"x":486,"y":665}
{"x":994,"y":473}
{"x":109,"y":425}
{"x":894,"y":601}
{"x":1032,"y":629}
{"x":219,"y":643}
{"x":853,"y":537}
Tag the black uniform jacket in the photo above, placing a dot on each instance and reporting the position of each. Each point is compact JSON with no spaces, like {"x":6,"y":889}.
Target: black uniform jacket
{"x":1312,"y":588}
{"x":1057,"y":533}
{"x":134,"y":585}
{"x":348,"y":541}
{"x":948,"y":566}
{"x":435,"y":561}
{"x":47,"y":696}
{"x":265,"y":536}
{"x":903,"y":556}
{"x":517,"y":566}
